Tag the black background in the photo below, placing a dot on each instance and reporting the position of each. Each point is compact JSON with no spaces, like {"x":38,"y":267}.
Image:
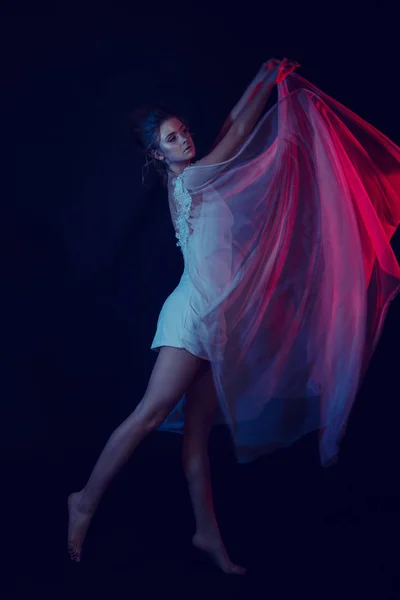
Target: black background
{"x":87,"y":258}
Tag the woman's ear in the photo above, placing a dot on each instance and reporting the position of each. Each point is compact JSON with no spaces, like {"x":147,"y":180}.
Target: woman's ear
{"x":156,"y":154}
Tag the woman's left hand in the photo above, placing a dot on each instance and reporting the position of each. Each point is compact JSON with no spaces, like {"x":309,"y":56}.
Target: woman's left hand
{"x":278,"y":70}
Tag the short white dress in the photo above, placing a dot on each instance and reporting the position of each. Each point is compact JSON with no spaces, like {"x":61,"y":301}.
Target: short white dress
{"x":174,"y":310}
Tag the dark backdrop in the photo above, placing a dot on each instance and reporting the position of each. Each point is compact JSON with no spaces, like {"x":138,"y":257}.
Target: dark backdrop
{"x":88,"y":255}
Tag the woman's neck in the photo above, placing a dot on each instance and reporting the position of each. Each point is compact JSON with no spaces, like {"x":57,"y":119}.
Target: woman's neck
{"x":178,"y":168}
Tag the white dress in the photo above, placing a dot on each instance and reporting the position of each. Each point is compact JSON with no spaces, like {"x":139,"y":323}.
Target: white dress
{"x":174,"y":310}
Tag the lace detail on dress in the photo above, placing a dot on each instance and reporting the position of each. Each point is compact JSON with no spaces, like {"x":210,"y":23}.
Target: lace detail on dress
{"x":183,"y":201}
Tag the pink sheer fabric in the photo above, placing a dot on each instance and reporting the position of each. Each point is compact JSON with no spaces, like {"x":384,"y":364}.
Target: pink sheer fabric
{"x":292,"y":270}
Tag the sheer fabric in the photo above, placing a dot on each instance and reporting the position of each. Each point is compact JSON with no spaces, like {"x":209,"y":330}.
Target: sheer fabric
{"x":287,"y":246}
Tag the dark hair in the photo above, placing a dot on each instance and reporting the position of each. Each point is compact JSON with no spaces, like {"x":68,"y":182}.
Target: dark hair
{"x":145,"y":125}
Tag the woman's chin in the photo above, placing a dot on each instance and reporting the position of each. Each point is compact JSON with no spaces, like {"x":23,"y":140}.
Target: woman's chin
{"x":189,"y":154}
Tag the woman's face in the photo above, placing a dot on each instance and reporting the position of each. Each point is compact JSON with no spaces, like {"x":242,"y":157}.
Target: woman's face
{"x":176,"y":144}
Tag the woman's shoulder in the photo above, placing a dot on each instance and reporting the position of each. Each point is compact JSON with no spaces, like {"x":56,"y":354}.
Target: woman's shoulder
{"x":192,"y":177}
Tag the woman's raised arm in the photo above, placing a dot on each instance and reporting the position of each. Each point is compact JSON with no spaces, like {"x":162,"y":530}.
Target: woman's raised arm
{"x":241,"y":127}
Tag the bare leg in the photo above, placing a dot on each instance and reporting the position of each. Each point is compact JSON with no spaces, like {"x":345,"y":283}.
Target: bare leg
{"x":200,"y":408}
{"x":172,"y":375}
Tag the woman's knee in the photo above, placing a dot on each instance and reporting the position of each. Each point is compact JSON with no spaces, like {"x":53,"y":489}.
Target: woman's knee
{"x":195,"y":448}
{"x":152,"y":414}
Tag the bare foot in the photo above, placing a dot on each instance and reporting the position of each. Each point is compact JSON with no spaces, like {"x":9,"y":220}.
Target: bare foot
{"x":78,"y":524}
{"x":214,"y":547}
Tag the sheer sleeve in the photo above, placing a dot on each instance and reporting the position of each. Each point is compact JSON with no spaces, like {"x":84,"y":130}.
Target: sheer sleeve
{"x":292,"y":270}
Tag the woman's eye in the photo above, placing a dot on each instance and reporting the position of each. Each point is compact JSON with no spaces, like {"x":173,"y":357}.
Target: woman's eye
{"x":172,"y":139}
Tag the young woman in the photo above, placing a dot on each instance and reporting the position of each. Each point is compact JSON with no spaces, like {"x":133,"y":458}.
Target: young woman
{"x":285,"y":231}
